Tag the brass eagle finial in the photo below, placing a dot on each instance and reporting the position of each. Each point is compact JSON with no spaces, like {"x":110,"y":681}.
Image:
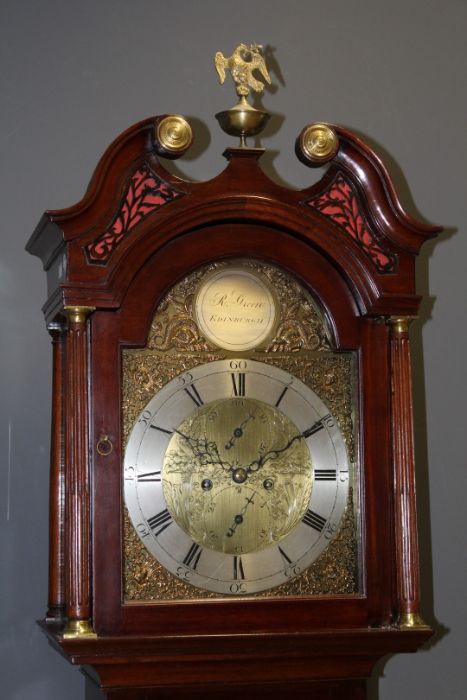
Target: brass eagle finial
{"x":241,"y":64}
{"x":243,"y":119}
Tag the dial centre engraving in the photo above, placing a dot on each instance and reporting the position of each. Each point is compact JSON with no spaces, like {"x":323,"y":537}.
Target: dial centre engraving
{"x":242,"y":447}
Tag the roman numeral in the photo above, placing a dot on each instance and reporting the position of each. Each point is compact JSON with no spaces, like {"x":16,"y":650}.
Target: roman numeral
{"x":160,"y":522}
{"x":193,"y":556}
{"x":149,"y":476}
{"x":162,"y":430}
{"x":325,"y":474}
{"x":281,"y":396}
{"x":284,"y":556}
{"x":316,"y":427}
{"x":193,"y":393}
{"x":239,"y":574}
{"x":238,"y":381}
{"x":317,"y":522}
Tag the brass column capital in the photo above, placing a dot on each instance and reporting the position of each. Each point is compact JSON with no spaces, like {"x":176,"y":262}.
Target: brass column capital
{"x":400,"y":324}
{"x":78,"y":314}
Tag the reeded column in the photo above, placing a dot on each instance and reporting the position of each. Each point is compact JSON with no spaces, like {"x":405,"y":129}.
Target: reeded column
{"x":408,"y":571}
{"x":56,"y":606}
{"x":77,"y":477}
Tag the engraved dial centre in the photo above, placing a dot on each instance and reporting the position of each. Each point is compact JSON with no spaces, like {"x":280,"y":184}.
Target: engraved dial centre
{"x":258,"y":469}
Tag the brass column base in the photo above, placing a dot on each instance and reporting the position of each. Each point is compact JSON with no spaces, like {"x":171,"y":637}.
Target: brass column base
{"x":79,"y":629}
{"x":409,"y":621}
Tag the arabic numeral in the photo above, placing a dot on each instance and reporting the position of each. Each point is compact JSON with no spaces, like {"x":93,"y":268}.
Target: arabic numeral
{"x":185,"y":378}
{"x":291,"y":571}
{"x":238,"y":364}
{"x":184,"y":574}
{"x":142,"y":530}
{"x":330,"y":530}
{"x":290,"y":568}
{"x":329,"y":421}
{"x":145,"y":417}
{"x":129,"y":474}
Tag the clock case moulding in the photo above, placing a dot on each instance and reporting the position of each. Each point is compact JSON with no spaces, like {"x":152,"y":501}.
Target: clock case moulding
{"x":110,"y":259}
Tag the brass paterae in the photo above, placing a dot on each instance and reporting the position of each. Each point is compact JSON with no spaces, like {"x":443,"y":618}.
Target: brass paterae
{"x":319,"y":142}
{"x":174,"y":133}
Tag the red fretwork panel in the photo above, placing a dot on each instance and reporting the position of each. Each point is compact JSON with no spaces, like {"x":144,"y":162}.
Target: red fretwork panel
{"x":145,"y":194}
{"x":340,"y":204}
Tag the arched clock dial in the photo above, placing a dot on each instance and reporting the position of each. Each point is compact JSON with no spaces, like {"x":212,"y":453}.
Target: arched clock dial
{"x":236,"y":476}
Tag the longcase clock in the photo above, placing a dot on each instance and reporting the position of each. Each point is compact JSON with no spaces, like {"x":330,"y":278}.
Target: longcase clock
{"x":232,"y":494}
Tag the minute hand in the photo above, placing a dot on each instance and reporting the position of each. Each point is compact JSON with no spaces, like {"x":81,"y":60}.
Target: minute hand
{"x":273,"y":454}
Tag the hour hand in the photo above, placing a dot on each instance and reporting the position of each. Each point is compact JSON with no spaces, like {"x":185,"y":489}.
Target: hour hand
{"x":204,"y":450}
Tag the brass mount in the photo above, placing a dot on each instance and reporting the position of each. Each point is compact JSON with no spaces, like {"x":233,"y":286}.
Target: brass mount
{"x":411,"y":621}
{"x":243,"y":120}
{"x":79,"y":629}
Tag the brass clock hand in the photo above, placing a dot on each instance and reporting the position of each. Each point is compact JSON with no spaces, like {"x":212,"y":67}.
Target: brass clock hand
{"x":238,"y":519}
{"x":271,"y":454}
{"x":206,"y":451}
{"x":238,"y":432}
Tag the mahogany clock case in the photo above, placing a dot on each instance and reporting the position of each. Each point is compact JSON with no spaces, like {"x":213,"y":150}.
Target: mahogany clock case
{"x":347,"y":240}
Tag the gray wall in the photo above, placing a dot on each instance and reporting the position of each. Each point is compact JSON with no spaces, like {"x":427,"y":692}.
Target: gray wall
{"x":73,"y":76}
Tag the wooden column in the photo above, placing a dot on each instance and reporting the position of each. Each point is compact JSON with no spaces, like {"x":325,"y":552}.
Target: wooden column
{"x":77,"y":477}
{"x":56,"y":606}
{"x":405,"y":509}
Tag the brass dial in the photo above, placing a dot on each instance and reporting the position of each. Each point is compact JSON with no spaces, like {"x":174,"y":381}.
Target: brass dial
{"x":236,"y":476}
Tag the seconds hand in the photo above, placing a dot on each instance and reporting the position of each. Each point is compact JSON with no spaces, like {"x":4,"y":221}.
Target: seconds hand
{"x":238,"y":519}
{"x":238,"y":432}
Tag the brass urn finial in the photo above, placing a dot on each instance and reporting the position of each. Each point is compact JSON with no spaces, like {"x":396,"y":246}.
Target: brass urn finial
{"x":243,"y":120}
